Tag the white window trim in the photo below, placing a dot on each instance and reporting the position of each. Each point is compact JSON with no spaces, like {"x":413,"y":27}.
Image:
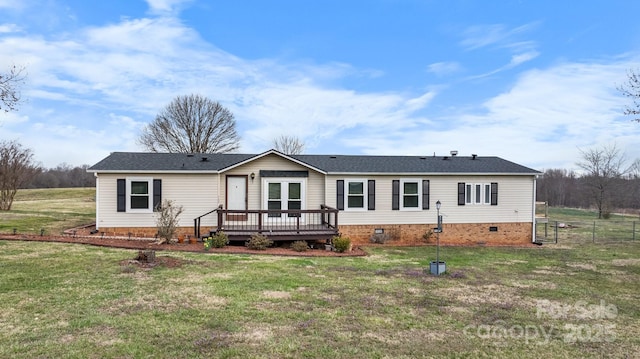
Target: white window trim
{"x":473,"y":194}
{"x":365,"y":194}
{"x":149,"y":181}
{"x":486,"y":189}
{"x":411,"y":180}
{"x":284,"y":188}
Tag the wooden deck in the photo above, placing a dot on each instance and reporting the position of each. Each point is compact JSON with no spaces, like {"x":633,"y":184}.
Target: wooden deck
{"x":282,"y":225}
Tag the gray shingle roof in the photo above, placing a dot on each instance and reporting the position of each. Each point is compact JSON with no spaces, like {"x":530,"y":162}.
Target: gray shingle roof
{"x":135,"y":161}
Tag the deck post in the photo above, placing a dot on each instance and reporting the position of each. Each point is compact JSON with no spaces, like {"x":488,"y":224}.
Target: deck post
{"x":220,"y":220}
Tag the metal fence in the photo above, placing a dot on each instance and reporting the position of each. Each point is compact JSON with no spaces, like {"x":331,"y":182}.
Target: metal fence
{"x":593,"y":231}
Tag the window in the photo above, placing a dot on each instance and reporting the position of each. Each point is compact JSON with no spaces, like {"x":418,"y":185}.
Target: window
{"x":138,"y":194}
{"x":360,"y":194}
{"x":487,"y":194}
{"x":274,"y":201}
{"x":295,"y":198}
{"x":410,"y":194}
{"x":355,"y":194}
{"x":479,"y":193}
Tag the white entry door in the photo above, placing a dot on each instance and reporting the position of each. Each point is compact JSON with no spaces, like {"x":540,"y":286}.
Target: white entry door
{"x":283,"y":194}
{"x":237,"y":196}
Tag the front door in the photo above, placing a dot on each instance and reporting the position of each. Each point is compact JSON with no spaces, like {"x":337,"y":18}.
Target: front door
{"x":237,"y":197}
{"x":284,"y":194}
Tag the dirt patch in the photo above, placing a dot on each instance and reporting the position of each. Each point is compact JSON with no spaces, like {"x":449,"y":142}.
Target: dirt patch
{"x":161,"y":261}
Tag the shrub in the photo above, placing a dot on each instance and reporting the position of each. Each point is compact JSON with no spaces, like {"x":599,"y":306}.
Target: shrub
{"x":219,"y":240}
{"x":259,"y":241}
{"x":340,"y":243}
{"x":299,"y":246}
{"x":427,"y":235}
{"x":380,"y":238}
{"x":167,"y":220}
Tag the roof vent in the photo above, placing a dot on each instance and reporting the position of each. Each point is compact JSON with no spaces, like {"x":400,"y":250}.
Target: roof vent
{"x":204,"y":159}
{"x":189,"y":154}
{"x":333,"y":157}
{"x":473,"y":156}
{"x":453,"y":153}
{"x":445,"y":158}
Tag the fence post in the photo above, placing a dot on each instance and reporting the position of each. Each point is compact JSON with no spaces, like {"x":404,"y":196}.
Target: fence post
{"x":634,"y":230}
{"x":593,"y":233}
{"x":556,"y":232}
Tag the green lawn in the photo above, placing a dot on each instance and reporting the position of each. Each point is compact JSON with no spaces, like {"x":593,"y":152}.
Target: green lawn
{"x":65,"y":300}
{"x":573,"y":299}
{"x":53,"y":210}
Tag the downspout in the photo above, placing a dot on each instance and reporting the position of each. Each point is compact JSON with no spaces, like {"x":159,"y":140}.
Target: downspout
{"x":533,"y":212}
{"x":95,"y":174}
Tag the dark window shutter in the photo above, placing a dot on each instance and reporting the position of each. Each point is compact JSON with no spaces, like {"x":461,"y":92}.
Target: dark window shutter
{"x":371,"y":195}
{"x":494,"y":193}
{"x":425,"y":194}
{"x":461,"y":187}
{"x":340,"y":194}
{"x":395,"y":195}
{"x":122,"y":195}
{"x":157,"y":194}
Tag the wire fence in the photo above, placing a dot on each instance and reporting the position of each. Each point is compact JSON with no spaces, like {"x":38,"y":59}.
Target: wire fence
{"x":592,"y":231}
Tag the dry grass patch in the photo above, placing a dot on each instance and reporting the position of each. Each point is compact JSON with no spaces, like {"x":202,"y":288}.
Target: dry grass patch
{"x":626,"y":262}
{"x":275,"y":294}
{"x":472,"y":295}
{"x":586,"y":266}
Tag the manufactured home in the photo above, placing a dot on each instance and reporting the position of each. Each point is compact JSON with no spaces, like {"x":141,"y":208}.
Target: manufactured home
{"x":483,"y":200}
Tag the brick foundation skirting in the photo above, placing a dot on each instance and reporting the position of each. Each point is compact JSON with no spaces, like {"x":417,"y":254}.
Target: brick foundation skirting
{"x":393,"y":234}
{"x":459,"y":233}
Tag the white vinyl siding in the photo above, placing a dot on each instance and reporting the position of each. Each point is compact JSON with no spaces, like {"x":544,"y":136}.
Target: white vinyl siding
{"x":515,"y":204}
{"x":196,"y":193}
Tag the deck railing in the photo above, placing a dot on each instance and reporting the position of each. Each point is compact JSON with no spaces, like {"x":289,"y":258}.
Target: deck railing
{"x":306,"y":221}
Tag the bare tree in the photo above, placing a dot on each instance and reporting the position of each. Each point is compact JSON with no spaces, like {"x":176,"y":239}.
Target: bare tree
{"x":9,"y":87}
{"x":602,"y":166}
{"x":289,"y":145}
{"x":16,"y":169}
{"x":191,"y":124}
{"x":631,"y":89}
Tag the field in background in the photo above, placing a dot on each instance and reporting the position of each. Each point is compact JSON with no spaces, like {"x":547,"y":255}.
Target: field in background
{"x":573,"y":299}
{"x":570,"y":225}
{"x":51,"y":209}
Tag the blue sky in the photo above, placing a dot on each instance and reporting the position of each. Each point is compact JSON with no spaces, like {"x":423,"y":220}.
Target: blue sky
{"x":532,"y":81}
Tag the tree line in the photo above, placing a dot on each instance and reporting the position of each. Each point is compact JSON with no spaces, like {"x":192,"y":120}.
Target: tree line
{"x":607,"y":182}
{"x":62,"y":176}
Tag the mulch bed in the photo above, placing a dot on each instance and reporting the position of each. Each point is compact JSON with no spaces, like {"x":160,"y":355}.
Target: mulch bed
{"x":197,"y":247}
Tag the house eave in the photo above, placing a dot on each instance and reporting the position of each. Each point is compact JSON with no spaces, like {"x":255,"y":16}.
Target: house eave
{"x":430,"y":174}
{"x":153,"y":171}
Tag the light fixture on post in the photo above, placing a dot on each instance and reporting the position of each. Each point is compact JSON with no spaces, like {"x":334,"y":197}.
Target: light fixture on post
{"x":253,"y":176}
{"x":438,"y":267}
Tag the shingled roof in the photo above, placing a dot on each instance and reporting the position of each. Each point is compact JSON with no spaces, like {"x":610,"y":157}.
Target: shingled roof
{"x":121,"y":162}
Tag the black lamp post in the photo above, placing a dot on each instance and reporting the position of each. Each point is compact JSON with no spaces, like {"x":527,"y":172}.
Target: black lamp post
{"x":435,"y":266}
{"x":438,"y":204}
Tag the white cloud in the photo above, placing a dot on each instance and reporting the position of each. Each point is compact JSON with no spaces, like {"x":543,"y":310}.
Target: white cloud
{"x":444,"y":68}
{"x":166,"y":6}
{"x":9,"y":28}
{"x":478,"y":36}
